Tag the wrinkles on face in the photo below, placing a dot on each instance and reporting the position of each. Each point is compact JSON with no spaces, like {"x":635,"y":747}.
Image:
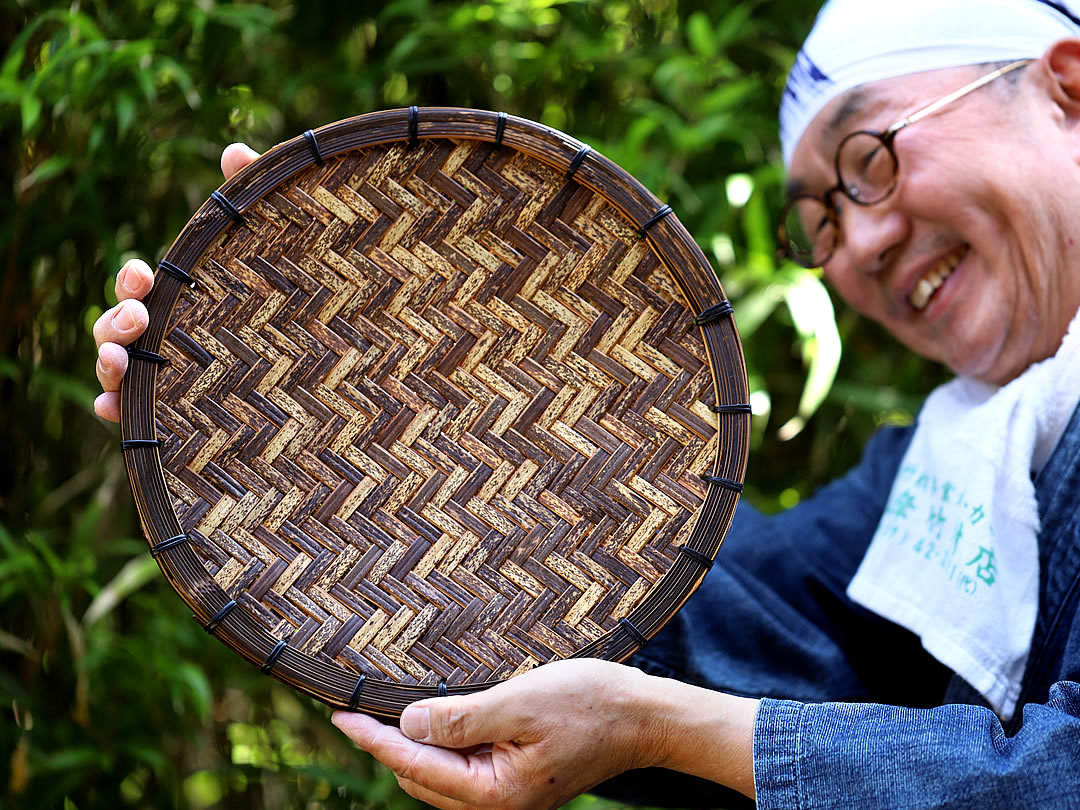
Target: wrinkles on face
{"x":980,"y":210}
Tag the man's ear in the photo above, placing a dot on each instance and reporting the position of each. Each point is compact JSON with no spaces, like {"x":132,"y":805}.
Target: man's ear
{"x":1062,"y":67}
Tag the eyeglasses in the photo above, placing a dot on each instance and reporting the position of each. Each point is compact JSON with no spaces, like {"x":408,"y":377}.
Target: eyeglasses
{"x":866,"y":172}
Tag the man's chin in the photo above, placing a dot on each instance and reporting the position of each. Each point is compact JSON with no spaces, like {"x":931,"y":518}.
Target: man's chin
{"x":988,"y":367}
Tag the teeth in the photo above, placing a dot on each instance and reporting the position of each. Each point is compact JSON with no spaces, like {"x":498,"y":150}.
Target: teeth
{"x":920,"y":296}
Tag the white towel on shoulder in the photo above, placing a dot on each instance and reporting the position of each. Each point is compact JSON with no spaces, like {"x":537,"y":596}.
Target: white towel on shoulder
{"x":955,"y":558}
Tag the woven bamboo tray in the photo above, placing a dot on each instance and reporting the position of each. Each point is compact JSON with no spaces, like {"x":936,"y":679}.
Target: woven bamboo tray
{"x":430,"y":397}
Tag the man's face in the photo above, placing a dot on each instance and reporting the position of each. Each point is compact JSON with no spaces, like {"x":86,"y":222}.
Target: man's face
{"x":967,"y":262}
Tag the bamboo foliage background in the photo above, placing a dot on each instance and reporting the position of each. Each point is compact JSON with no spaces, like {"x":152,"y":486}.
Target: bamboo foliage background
{"x":112,"y":119}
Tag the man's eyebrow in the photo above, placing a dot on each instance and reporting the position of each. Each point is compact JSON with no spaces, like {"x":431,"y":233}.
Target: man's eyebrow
{"x":795,"y":187}
{"x":857,"y":102}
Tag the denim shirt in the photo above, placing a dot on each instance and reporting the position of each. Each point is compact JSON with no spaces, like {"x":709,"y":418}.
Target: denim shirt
{"x":855,"y":712}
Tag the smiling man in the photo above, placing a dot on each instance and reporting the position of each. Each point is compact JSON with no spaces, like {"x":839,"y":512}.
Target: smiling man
{"x":909,"y":637}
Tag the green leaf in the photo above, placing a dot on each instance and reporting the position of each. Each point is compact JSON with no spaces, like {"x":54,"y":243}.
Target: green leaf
{"x":130,"y":578}
{"x":755,"y":308}
{"x":875,"y":398}
{"x":198,"y":687}
{"x":17,"y":52}
{"x":147,"y":753}
{"x":255,"y":19}
{"x":46,"y":170}
{"x":11,"y":90}
{"x":736,"y":24}
{"x":66,"y":387}
{"x":812,"y":312}
{"x":52,"y":560}
{"x":700,"y":34}
{"x":10,"y":369}
{"x":125,"y":113}
{"x":77,"y":758}
{"x":31,"y":110}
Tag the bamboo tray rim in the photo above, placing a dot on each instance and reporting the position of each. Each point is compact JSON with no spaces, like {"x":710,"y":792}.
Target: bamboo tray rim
{"x":331,"y":683}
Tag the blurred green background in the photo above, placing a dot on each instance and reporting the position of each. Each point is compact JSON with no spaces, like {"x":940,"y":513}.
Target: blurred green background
{"x":112,"y":119}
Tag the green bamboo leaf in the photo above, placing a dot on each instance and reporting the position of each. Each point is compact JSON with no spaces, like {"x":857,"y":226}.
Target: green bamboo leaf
{"x":10,"y":369}
{"x":66,"y":387}
{"x":700,"y":34}
{"x":736,"y":24}
{"x":31,"y":110}
{"x":46,"y":170}
{"x":76,"y":758}
{"x":757,"y":226}
{"x":149,"y":754}
{"x":13,"y":60}
{"x":875,"y":398}
{"x":755,"y":308}
{"x":43,"y":547}
{"x":198,"y":687}
{"x":254,"y":18}
{"x":729,"y":95}
{"x":130,"y":578}
{"x":815,"y":320}
{"x":125,"y":113}
{"x":11,"y":90}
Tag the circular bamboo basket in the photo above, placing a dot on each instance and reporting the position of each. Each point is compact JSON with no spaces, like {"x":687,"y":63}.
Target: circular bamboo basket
{"x":430,"y":397}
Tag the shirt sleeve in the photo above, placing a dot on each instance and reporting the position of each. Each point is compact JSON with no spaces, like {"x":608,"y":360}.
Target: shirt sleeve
{"x":849,"y":755}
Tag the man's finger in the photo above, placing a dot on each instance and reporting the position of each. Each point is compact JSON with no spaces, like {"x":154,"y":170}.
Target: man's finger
{"x":112,"y":364}
{"x":235,"y":157}
{"x":446,"y":772}
{"x":134,"y":280}
{"x":107,"y":406}
{"x":461,"y":721}
{"x":121,"y":324}
{"x":421,"y":793}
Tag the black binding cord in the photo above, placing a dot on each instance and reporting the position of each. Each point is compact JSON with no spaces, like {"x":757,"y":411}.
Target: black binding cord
{"x":227,"y":207}
{"x":659,"y":215}
{"x":172,"y":542}
{"x":274,"y":655}
{"x":579,"y":158}
{"x":500,"y":129}
{"x":742,"y":407}
{"x":354,"y":698}
{"x":219,"y":617}
{"x":726,"y":483}
{"x":714,"y":313}
{"x":178,"y":273}
{"x":313,"y":145}
{"x":442,"y":689}
{"x":132,"y":444}
{"x":633,"y":632}
{"x":144,"y":354}
{"x":704,"y":560}
{"x":414,"y":125}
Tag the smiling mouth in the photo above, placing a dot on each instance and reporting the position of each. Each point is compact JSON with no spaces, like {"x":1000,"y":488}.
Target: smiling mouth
{"x":929,"y":284}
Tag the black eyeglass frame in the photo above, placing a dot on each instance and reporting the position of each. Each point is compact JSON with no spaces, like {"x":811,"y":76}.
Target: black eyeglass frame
{"x":886,"y":138}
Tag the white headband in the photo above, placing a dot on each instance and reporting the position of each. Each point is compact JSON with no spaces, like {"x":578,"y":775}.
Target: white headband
{"x":858,"y":41}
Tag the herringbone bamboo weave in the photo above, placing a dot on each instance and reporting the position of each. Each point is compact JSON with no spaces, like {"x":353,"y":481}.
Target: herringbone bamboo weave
{"x":435,"y":410}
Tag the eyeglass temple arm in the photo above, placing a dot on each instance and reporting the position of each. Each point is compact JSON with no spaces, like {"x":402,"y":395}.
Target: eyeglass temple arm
{"x":963,"y":91}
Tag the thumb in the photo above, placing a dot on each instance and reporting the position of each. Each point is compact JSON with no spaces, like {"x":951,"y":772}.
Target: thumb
{"x":235,"y":157}
{"x":461,"y":721}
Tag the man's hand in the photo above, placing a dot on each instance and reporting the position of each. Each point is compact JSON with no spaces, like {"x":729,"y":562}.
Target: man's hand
{"x":535,"y":741}
{"x":540,"y":739}
{"x":121,"y":325}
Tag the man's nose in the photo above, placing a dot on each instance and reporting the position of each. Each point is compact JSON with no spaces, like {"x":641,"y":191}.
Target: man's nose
{"x":871,"y":232}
